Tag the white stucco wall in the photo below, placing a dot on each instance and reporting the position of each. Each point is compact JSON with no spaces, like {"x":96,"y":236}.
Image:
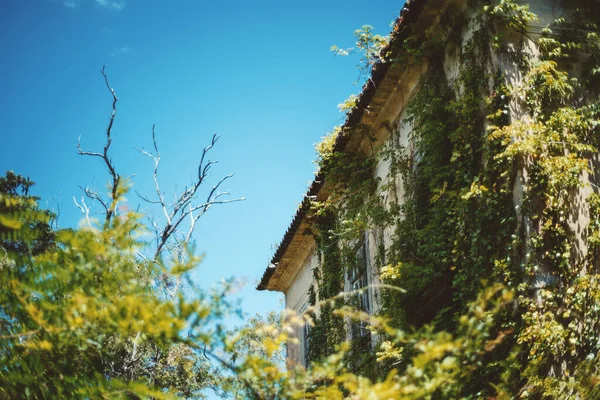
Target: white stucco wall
{"x":297,"y":299}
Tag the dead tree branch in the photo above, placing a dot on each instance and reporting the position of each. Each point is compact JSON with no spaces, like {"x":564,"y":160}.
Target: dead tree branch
{"x":187,"y":206}
{"x":115,"y":179}
{"x":85,"y":210}
{"x":184,"y":206}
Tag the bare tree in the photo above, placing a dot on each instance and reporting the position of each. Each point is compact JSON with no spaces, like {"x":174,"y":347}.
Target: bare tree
{"x":187,"y":205}
{"x":190,"y":205}
{"x":173,"y":235}
{"x":110,"y":205}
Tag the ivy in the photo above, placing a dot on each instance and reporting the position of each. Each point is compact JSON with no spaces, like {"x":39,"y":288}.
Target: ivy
{"x":495,"y":180}
{"x":328,"y":331}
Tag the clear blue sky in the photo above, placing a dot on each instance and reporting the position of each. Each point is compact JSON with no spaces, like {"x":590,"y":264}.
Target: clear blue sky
{"x":259,"y":72}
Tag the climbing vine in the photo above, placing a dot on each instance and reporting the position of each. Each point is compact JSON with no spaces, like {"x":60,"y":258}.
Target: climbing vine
{"x":498,"y":207}
{"x":338,"y":225}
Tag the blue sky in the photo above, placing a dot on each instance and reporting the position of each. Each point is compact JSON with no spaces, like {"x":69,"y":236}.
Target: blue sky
{"x":260,"y":73}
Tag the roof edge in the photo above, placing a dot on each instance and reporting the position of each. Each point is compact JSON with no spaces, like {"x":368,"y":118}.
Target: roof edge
{"x":408,"y":15}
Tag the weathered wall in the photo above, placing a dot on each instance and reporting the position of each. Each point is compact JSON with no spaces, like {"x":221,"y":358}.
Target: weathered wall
{"x":297,"y":299}
{"x":390,"y":124}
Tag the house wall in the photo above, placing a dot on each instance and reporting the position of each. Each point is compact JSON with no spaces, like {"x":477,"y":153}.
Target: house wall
{"x":383,"y":236}
{"x":578,"y":220}
{"x":297,"y":300}
{"x":394,"y":115}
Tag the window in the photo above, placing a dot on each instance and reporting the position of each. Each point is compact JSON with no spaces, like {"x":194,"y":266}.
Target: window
{"x":303,"y":333}
{"x":306,"y":340}
{"x":358,"y":280}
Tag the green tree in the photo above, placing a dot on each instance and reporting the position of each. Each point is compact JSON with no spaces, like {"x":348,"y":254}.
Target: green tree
{"x":80,"y":320}
{"x":101,"y":314}
{"x":26,"y":229}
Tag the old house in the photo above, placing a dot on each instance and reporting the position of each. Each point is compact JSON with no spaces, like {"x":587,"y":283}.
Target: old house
{"x":448,"y":171}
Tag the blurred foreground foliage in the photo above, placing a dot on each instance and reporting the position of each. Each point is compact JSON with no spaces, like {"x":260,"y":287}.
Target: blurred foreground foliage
{"x":84,"y":319}
{"x":81,"y":320}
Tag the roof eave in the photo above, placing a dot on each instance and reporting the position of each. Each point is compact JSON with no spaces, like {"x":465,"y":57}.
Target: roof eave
{"x":408,"y":15}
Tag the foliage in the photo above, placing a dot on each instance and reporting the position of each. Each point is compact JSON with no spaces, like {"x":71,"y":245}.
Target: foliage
{"x":373,"y":50}
{"x":25,"y":229}
{"x":478,"y":147}
{"x":254,"y":350}
{"x":81,"y":319}
{"x":499,"y":274}
{"x":177,"y":365}
{"x":370,"y":46}
{"x":326,"y":147}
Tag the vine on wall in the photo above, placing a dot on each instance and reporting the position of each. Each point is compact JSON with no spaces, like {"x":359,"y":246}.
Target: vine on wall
{"x":494,"y":192}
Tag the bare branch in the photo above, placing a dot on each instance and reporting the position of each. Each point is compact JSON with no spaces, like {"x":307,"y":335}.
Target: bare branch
{"x":159,"y":193}
{"x":85,"y":153}
{"x":20,"y":335}
{"x":85,"y":210}
{"x":109,"y":207}
{"x":233,"y":368}
{"x":93,"y":195}
{"x":146,"y":199}
{"x":141,"y":256}
{"x":202,"y":170}
{"x":182,"y":206}
{"x":56,"y":210}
